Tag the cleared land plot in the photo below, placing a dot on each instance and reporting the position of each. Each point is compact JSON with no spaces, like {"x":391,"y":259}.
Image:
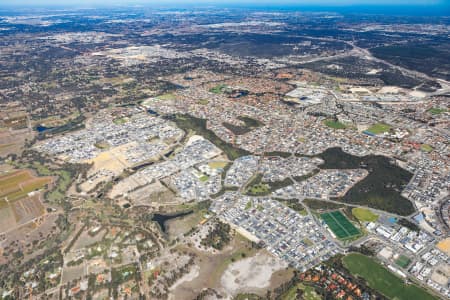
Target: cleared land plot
{"x":381,"y":279}
{"x":7,"y":219}
{"x":379,"y":128}
{"x":364,"y":215}
{"x":340,"y":225}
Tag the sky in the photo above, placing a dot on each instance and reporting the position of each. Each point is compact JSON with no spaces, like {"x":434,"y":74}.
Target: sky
{"x":222,"y":2}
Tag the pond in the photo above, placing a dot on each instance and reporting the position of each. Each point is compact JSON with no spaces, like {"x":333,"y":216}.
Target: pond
{"x":41,"y":128}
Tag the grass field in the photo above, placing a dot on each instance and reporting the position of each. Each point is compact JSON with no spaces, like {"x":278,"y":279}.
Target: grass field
{"x":426,"y":148}
{"x":259,"y":189}
{"x":379,"y":128}
{"x":340,"y":225}
{"x":204,"y":178}
{"x":403,"y":261}
{"x":308,"y":293}
{"x":436,"y":110}
{"x":334,"y":124}
{"x":218,"y":89}
{"x":248,"y":205}
{"x":381,"y":279}
{"x":364,"y":215}
{"x":168,"y":96}
{"x":120,"y":121}
{"x":217,"y":164}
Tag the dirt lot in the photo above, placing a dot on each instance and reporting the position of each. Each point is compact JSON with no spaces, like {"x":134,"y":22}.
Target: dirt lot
{"x":154,"y":194}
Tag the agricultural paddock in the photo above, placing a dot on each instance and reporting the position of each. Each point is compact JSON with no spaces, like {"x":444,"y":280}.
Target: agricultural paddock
{"x":19,"y":200}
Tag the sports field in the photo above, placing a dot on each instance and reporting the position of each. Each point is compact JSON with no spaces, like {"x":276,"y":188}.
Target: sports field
{"x":382,"y":280}
{"x":379,"y":128}
{"x":340,"y":225}
{"x":334,"y":124}
{"x":403,"y":261}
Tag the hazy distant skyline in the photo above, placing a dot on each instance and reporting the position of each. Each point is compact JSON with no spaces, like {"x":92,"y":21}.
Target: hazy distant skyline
{"x":222,"y":2}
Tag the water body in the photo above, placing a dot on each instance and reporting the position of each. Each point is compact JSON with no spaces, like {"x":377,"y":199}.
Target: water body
{"x":152,"y":112}
{"x":161,"y":219}
{"x":41,"y":128}
{"x":381,"y":189}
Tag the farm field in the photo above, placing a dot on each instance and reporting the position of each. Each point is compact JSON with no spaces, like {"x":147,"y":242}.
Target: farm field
{"x":340,"y":225}
{"x":18,"y":184}
{"x":381,"y":279}
{"x":17,"y":205}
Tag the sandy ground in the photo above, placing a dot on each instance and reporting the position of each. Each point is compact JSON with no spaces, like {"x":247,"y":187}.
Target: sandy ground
{"x":250,"y":274}
{"x":418,"y":94}
{"x":390,"y":90}
{"x":213,"y":266}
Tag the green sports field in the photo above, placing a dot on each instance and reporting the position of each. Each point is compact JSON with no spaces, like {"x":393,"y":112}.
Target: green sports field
{"x":340,"y":225}
{"x":334,"y":124}
{"x":379,"y":128}
{"x":403,"y":261}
